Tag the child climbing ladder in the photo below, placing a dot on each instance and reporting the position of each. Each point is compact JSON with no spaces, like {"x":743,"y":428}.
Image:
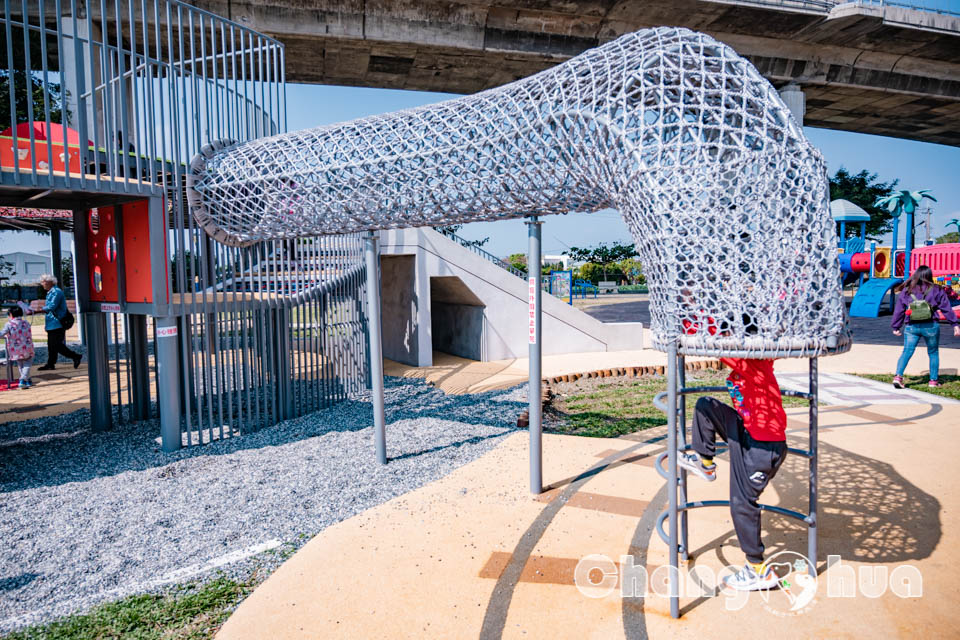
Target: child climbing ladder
{"x":755,"y":432}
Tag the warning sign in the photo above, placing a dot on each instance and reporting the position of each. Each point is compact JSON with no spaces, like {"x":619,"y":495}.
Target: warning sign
{"x":532,"y":309}
{"x":166,"y":332}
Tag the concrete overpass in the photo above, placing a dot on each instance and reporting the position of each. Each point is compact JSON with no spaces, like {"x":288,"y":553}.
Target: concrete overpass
{"x":864,"y":66}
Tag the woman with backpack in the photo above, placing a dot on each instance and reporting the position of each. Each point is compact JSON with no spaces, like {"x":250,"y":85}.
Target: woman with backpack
{"x":916,"y":307}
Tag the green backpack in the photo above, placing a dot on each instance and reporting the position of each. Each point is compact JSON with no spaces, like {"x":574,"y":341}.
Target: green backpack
{"x":920,"y":310}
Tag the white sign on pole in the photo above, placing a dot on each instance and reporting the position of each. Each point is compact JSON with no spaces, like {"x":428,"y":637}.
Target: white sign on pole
{"x":532,"y":309}
{"x":166,"y":332}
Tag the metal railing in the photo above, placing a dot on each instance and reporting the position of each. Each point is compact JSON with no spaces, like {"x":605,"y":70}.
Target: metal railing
{"x":818,"y":6}
{"x":947,"y":7}
{"x":472,"y":246}
{"x":140,"y":86}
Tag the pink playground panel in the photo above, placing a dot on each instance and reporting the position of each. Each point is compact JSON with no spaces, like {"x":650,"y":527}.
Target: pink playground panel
{"x":944,"y":259}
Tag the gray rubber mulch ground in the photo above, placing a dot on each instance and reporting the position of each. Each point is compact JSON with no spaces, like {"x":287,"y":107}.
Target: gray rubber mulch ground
{"x":87,"y":517}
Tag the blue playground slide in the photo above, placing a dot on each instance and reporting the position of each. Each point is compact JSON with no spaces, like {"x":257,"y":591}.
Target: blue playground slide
{"x":870,"y":295}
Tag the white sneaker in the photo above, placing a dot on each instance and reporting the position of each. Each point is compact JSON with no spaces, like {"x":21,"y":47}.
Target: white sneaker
{"x":747,"y":579}
{"x":691,"y":461}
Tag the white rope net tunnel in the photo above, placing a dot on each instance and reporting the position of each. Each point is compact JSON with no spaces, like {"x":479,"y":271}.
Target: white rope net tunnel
{"x":726,"y":199}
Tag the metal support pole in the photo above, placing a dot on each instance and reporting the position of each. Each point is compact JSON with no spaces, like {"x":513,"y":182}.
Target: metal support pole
{"x":372,"y":255}
{"x":168,"y":380}
{"x":893,"y":247}
{"x":812,"y":533}
{"x":534,"y":317}
{"x":682,"y":441}
{"x":908,"y":246}
{"x":98,"y":371}
{"x":139,"y":366}
{"x":284,"y":371}
{"x":56,"y":258}
{"x":672,"y":478}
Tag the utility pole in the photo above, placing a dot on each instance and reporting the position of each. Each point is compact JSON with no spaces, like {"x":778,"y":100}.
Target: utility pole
{"x":926,"y":223}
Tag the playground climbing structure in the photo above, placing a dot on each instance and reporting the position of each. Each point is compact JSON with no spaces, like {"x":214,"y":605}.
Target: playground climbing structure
{"x":725,"y":198}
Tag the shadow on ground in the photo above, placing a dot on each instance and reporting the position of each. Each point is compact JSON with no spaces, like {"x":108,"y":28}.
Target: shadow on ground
{"x":867,"y":512}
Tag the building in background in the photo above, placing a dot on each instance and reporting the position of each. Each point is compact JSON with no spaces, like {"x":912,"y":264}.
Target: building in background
{"x":26,"y":268}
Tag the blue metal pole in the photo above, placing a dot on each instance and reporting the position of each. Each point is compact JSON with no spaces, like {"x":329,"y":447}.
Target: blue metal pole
{"x":908,"y":245}
{"x":893,"y":249}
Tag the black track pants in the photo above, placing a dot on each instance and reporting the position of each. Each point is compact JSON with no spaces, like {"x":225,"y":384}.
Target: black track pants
{"x":752,"y":463}
{"x":56,"y":345}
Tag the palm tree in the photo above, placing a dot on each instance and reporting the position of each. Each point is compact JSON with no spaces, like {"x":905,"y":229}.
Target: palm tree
{"x":903,"y":202}
{"x":955,"y":222}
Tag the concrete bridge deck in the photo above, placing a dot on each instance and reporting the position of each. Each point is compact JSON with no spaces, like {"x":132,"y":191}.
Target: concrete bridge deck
{"x":864,"y":66}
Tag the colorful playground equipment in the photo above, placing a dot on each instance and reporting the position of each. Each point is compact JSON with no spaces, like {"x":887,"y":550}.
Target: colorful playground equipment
{"x":854,"y":262}
{"x":887,"y":266}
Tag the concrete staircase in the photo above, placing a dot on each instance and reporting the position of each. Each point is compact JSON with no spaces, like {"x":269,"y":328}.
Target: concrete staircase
{"x":440,"y":295}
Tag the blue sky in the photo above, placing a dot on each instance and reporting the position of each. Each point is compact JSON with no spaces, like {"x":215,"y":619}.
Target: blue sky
{"x":918,"y":165}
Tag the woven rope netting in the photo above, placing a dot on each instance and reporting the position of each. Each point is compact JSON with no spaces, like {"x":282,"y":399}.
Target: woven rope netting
{"x":726,"y":199}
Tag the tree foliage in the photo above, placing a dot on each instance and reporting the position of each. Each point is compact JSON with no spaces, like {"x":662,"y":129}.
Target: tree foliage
{"x":191,"y":267}
{"x":66,"y":272}
{"x":28,"y":82}
{"x":863,"y":189}
{"x":6,"y":269}
{"x":604,"y":255}
{"x":518,"y":261}
{"x":947,"y":238}
{"x":454,"y":229}
{"x":20,"y":84}
{"x":632,"y":270}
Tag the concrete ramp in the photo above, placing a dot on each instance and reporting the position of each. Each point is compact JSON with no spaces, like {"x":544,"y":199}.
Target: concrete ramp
{"x":440,"y":295}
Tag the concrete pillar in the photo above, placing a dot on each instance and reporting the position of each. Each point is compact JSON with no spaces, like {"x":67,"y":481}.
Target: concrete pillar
{"x":792,"y":95}
{"x":168,"y":381}
{"x":139,"y":366}
{"x":98,"y":370}
{"x":423,"y":310}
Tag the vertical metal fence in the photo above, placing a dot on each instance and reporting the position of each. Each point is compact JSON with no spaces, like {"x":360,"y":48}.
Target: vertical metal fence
{"x":114,"y":97}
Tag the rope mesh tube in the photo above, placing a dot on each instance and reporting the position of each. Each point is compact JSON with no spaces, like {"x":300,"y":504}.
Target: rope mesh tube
{"x":726,"y":199}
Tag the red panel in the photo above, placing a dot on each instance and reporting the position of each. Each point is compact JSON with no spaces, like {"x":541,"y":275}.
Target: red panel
{"x":136,"y":251}
{"x":102,"y":252}
{"x":21,"y":156}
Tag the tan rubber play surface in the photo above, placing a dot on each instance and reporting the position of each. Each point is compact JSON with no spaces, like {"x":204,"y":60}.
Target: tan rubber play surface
{"x":476,"y":555}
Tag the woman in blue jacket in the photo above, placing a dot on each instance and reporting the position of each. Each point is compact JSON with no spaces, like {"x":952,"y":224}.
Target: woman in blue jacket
{"x":55,"y":308}
{"x":920,"y":288}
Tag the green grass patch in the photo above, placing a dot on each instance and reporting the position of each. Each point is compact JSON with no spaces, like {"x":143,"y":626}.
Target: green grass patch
{"x":950,"y":388}
{"x":192,"y":611}
{"x":620,"y":406}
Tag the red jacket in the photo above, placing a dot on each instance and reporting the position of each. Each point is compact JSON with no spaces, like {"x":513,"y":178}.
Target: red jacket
{"x":756,"y":397}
